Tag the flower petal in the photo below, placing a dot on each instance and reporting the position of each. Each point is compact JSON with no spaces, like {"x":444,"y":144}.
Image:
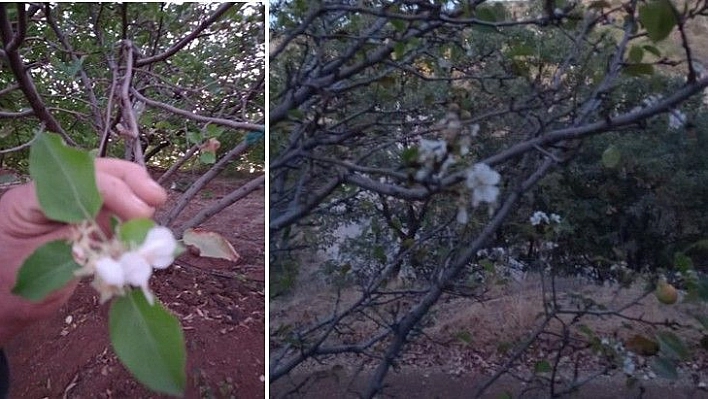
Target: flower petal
{"x":110,"y":272}
{"x":136,"y":269}
{"x":159,"y":247}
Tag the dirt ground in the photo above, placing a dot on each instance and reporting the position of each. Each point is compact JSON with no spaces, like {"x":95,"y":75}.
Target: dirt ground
{"x":220,"y":305}
{"x":439,"y":364}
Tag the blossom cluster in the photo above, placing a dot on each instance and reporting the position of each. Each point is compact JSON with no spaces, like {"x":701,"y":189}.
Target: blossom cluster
{"x":432,"y":154}
{"x":677,"y":119}
{"x":116,"y":265}
{"x":539,"y":217}
{"x":434,"y":157}
{"x":483,"y":180}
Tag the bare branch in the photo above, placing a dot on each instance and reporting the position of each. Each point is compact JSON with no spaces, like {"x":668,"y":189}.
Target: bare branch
{"x":130,"y":132}
{"x":184,"y":41}
{"x":217,"y":168}
{"x":9,"y":89}
{"x":221,"y":204}
{"x":24,"y":80}
{"x":19,"y":36}
{"x":175,"y":167}
{"x":19,"y":147}
{"x":106,"y":134}
{"x":199,"y":118}
{"x":15,"y":115}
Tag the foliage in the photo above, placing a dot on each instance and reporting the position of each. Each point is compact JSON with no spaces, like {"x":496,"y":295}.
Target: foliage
{"x":135,"y":81}
{"x":650,"y":202}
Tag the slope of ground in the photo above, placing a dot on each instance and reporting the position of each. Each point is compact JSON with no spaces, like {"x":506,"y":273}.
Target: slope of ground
{"x":469,"y":339}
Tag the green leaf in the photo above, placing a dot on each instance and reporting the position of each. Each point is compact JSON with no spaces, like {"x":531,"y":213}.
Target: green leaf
{"x":149,"y":342}
{"x":399,"y":24}
{"x":49,"y":268}
{"x":65,"y":180}
{"x":652,"y":49}
{"x":194,"y":137}
{"x":296,"y":114}
{"x":133,"y":232}
{"x":207,"y":157}
{"x":214,"y":131}
{"x":611,"y":157}
{"x":665,"y":368}
{"x":487,"y":265}
{"x":586,"y":331}
{"x":409,"y":156}
{"x":464,"y":336}
{"x":542,"y":366}
{"x":76,"y":66}
{"x":522,"y":50}
{"x":636,"y":54}
{"x":672,"y":346}
{"x":599,"y":4}
{"x":639,"y":69}
{"x":682,"y":262}
{"x":380,"y":255}
{"x":658,"y":18}
{"x":485,"y":14}
{"x":164,"y":125}
{"x":399,"y":50}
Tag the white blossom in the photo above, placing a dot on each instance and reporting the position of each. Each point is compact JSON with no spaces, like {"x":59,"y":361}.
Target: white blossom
{"x":462,"y":216}
{"x":677,"y":119}
{"x":110,"y":271}
{"x":483,"y":180}
{"x":431,"y":153}
{"x":474,"y":130}
{"x":651,"y":100}
{"x":134,"y":267}
{"x":538,"y":217}
{"x":159,"y":247}
{"x":628,"y":366}
{"x":465,"y":142}
{"x":432,"y":150}
{"x":454,"y":124}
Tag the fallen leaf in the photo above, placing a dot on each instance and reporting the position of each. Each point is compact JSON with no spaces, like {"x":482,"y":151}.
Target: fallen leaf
{"x":210,"y":244}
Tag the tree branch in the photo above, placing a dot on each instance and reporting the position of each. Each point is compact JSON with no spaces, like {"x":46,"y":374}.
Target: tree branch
{"x":15,"y":115}
{"x":199,"y":118}
{"x":85,"y":80}
{"x":24,"y":80}
{"x":184,"y":41}
{"x":202,"y":181}
{"x":221,"y":204}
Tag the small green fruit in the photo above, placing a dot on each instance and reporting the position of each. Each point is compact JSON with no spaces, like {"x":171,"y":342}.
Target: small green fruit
{"x":666,"y":293}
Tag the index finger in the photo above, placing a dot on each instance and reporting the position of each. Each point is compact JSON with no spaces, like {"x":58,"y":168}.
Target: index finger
{"x":135,"y":177}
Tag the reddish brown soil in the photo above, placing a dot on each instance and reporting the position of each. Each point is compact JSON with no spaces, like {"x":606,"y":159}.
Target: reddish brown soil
{"x":220,"y":305}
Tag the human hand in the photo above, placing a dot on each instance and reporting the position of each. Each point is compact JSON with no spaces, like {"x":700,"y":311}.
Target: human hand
{"x":128,"y":192}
